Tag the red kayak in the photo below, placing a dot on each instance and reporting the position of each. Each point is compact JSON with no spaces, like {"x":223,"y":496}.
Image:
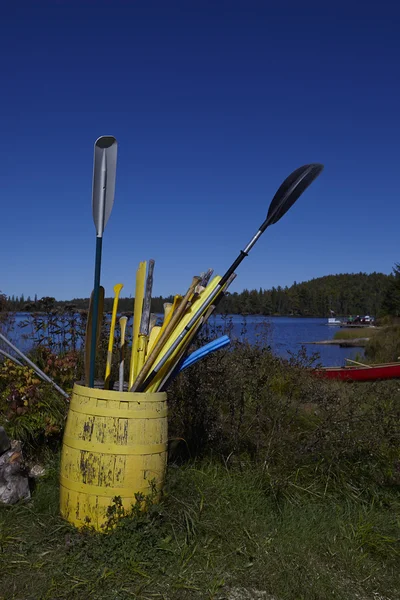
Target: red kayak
{"x":361,"y":373}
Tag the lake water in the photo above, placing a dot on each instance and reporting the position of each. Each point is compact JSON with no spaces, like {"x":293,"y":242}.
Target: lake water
{"x":283,"y":334}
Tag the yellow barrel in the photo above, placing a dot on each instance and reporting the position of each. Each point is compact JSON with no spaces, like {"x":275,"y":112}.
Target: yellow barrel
{"x":115,"y":444}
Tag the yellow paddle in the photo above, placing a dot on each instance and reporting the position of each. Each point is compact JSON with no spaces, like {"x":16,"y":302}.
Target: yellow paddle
{"x":122,"y":324}
{"x":183,"y":349}
{"x":161,"y":367}
{"x":169,"y":310}
{"x":117,"y":290}
{"x":154,"y":333}
{"x":137,"y":315}
{"x":175,"y":320}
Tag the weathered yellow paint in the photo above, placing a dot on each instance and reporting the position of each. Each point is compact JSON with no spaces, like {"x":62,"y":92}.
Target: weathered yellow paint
{"x":115,"y":444}
{"x":137,"y":315}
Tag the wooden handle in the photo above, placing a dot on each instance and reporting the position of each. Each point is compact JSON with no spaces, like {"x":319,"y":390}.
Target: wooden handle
{"x":176,"y":317}
{"x":358,"y":363}
{"x":144,"y":323}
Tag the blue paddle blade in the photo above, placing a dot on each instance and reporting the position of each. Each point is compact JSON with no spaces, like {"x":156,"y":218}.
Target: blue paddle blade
{"x":205,"y":350}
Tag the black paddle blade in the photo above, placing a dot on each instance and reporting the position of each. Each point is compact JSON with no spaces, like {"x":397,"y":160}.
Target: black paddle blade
{"x":290,"y":190}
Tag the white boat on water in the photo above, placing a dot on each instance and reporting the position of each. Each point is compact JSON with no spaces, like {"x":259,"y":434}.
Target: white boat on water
{"x":334,"y":321}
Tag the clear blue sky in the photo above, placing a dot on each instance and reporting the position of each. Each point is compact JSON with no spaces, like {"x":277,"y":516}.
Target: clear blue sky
{"x":213,"y":104}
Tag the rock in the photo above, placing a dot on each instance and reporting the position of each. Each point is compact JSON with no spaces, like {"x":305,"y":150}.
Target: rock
{"x":5,"y":443}
{"x":14,"y":485}
{"x":248,"y":594}
{"x":36,"y":471}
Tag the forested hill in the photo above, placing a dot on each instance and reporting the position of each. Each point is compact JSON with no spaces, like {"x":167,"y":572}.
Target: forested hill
{"x":345,"y":294}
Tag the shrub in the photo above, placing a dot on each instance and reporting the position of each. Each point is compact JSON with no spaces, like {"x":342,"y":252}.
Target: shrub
{"x":30,"y":410}
{"x":384,"y":346}
{"x":247,"y":405}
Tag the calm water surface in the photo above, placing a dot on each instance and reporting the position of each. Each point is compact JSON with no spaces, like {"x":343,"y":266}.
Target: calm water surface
{"x":283,"y":334}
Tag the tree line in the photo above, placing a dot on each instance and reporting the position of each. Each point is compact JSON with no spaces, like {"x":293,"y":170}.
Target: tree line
{"x":344,"y":294}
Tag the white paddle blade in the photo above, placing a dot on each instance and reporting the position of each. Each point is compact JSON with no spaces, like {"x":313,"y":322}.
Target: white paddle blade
{"x":104,"y":172}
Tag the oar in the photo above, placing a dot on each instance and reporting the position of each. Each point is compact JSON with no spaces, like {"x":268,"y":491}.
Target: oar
{"x":191,"y":310}
{"x":12,"y":358}
{"x":170,"y":370}
{"x":104,"y":170}
{"x":122,"y":324}
{"x":33,"y":366}
{"x":145,"y":320}
{"x":193,"y":358}
{"x":90,"y":330}
{"x":176,"y":317}
{"x":169,"y":310}
{"x":152,"y":322}
{"x":358,"y":363}
{"x":153,"y":335}
{"x":137,"y":316}
{"x":290,"y":190}
{"x":203,"y":284}
{"x":154,"y":330}
{"x":177,"y":359}
{"x":117,"y":290}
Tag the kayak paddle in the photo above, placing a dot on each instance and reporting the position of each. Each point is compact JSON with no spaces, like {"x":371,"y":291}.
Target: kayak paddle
{"x":290,"y":190}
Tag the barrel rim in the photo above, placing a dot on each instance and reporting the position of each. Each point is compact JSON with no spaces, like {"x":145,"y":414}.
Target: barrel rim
{"x":82,"y":390}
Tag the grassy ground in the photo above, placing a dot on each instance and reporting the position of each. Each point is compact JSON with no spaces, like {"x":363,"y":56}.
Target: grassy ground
{"x":288,"y":489}
{"x":351,"y":334}
{"x":218,"y":534}
{"x":385,"y":345}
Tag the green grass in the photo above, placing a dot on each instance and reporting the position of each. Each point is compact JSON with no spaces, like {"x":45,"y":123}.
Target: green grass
{"x":385,"y":345}
{"x":217,"y":530}
{"x":287,"y":484}
{"x":351,"y":334}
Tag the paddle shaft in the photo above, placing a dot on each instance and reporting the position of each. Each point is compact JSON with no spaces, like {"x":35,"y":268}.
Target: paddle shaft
{"x":89,"y":325}
{"x":12,"y":358}
{"x":96,"y":291}
{"x":34,"y":367}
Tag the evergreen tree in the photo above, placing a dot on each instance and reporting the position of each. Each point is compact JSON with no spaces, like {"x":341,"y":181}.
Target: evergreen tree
{"x":391,"y":301}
